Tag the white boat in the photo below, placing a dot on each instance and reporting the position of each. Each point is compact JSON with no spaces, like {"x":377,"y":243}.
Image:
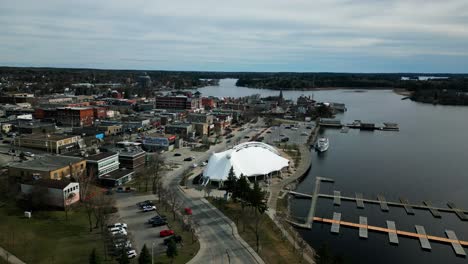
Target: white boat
{"x":322,"y":144}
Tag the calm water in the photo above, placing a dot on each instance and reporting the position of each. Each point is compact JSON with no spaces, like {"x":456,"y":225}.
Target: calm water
{"x":426,"y":160}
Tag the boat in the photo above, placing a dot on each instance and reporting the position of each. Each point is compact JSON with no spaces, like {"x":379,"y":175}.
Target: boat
{"x":322,"y":144}
{"x":344,"y":130}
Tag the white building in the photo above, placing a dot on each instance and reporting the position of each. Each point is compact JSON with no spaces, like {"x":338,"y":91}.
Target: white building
{"x":58,"y":192}
{"x":250,"y":159}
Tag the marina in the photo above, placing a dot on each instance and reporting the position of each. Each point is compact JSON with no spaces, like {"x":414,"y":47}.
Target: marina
{"x":358,"y":124}
{"x":393,"y":233}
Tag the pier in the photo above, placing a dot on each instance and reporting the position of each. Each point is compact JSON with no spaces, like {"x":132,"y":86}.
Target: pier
{"x":408,"y":208}
{"x":461,"y":213}
{"x":393,"y":233}
{"x":383,"y":203}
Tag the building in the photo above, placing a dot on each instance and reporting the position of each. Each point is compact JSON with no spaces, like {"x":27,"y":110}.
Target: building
{"x":144,"y":81}
{"x":250,"y":159}
{"x":75,"y":116}
{"x":156,"y":142}
{"x":202,"y":129}
{"x":183,"y":130}
{"x":54,"y":167}
{"x":17,"y":98}
{"x":117,"y":177}
{"x":110,"y":130}
{"x":200,"y":118}
{"x":53,"y":143}
{"x":132,"y":158}
{"x":102,"y":163}
{"x":208,"y":103}
{"x":35,"y":127}
{"x":177,"y":102}
{"x":58,"y":193}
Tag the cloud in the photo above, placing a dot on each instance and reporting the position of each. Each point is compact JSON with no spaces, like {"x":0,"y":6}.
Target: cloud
{"x":258,"y":35}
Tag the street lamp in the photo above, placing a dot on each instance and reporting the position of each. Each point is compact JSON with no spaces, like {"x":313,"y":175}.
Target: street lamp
{"x":152,"y":253}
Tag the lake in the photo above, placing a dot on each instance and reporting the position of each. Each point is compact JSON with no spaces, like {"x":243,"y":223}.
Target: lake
{"x":425,"y":160}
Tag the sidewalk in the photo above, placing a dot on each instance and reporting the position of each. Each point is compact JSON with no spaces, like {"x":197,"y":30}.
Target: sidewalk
{"x":9,"y":257}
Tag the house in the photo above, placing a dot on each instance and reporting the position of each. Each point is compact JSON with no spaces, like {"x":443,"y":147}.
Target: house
{"x":54,"y":167}
{"x":58,"y":193}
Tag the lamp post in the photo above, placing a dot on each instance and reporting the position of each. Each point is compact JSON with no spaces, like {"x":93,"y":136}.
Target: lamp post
{"x":152,"y":253}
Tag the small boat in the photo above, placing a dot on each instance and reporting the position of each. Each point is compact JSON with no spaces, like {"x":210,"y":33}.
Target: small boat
{"x":322,"y":144}
{"x":344,"y":130}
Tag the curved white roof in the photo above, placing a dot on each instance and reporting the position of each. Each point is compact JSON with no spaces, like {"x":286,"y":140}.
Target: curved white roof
{"x":248,"y":159}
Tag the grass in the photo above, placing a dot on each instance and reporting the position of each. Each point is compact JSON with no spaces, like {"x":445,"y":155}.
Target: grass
{"x":47,"y":237}
{"x":188,"y":249}
{"x":274,"y":247}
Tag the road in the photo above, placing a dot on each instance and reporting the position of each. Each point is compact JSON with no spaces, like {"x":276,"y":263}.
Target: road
{"x":214,"y":230}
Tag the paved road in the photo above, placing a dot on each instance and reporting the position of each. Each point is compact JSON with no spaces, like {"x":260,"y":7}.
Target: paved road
{"x":218,"y":245}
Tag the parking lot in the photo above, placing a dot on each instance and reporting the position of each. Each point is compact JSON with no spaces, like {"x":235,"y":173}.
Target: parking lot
{"x":297,"y":134}
{"x":140,"y":232}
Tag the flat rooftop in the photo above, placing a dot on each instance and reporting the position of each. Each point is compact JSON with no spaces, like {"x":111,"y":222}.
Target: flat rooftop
{"x":117,"y":174}
{"x":48,"y":136}
{"x":100,"y":156}
{"x":46,"y":163}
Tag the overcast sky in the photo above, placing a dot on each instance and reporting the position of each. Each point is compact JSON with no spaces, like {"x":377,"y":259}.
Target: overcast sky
{"x":238,"y":35}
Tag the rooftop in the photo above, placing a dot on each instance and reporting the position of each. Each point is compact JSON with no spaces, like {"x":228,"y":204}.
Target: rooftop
{"x":100,"y":156}
{"x":117,"y":174}
{"x":49,"y":183}
{"x":46,"y":163}
{"x":48,"y":136}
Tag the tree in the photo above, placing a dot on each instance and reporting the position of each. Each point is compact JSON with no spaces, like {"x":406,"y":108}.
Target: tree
{"x":230,"y":182}
{"x":145,"y":257}
{"x":171,"y":250}
{"x":124,"y":257}
{"x":67,"y":204}
{"x":174,"y":202}
{"x":258,"y":202}
{"x":94,"y":257}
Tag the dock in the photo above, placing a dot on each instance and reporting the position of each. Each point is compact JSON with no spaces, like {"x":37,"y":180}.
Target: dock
{"x":456,"y":246}
{"x":359,"y":201}
{"x":337,"y":200}
{"x":434,"y":212}
{"x":392,"y":234}
{"x":363,"y":227}
{"x":335,"y":228}
{"x":409,"y":210}
{"x":458,"y":211}
{"x":423,"y":237}
{"x":383,"y":203}
{"x":461,"y":213}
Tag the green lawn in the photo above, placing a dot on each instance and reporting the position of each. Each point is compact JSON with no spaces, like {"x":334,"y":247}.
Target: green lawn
{"x":274,"y":248}
{"x":47,"y":237}
{"x":185,"y":252}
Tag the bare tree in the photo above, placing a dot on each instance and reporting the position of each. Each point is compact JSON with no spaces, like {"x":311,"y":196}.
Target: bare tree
{"x":83,"y":179}
{"x":155,"y":166}
{"x":175,"y":203}
{"x":67,"y":204}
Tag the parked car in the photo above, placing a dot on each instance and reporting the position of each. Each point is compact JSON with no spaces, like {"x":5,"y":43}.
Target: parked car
{"x":119,"y":232}
{"x":194,"y":165}
{"x":156,"y":217}
{"x":309,"y":127}
{"x":246,"y":137}
{"x":188,"y":159}
{"x":149,"y":208}
{"x":159,"y":222}
{"x":124,"y":244}
{"x":145,"y":203}
{"x":28,"y":154}
{"x":204,"y":163}
{"x":286,"y":139}
{"x":268,"y":132}
{"x":188,"y":211}
{"x":166,"y":232}
{"x":131,"y":254}
{"x":118,"y":225}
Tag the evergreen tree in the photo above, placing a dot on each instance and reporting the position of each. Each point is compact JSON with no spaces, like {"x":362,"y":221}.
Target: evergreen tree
{"x":171,"y":251}
{"x":231,"y":181}
{"x":145,"y":257}
{"x":124,"y":257}
{"x":94,"y":258}
{"x":258,"y":202}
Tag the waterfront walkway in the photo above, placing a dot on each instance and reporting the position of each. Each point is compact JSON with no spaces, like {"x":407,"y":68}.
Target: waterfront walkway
{"x":10,"y":258}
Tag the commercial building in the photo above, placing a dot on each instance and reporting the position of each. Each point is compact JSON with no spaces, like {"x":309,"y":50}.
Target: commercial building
{"x":75,"y":116}
{"x":177,"y":102}
{"x":183,"y":130}
{"x":200,"y":118}
{"x":53,"y":143}
{"x":35,"y":127}
{"x":102,"y":163}
{"x":132,"y":158}
{"x":156,"y":142}
{"x":54,"y":167}
{"x":57,"y":193}
{"x":117,"y":177}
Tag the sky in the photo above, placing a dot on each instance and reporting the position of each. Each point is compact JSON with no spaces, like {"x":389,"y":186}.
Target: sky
{"x":241,"y":35}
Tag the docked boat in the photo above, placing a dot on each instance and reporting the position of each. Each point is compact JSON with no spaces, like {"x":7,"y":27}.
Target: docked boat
{"x":322,"y":144}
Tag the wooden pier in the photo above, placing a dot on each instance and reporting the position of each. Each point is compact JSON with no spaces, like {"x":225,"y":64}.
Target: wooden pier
{"x":363,"y":227}
{"x":461,"y":213}
{"x":434,"y":212}
{"x":383,"y":203}
{"x":359,"y":202}
{"x":393,"y":233}
{"x":337,"y":200}
{"x":409,"y":210}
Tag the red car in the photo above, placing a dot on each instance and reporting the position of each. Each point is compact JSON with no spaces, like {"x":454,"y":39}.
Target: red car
{"x":165,"y":233}
{"x":188,"y":211}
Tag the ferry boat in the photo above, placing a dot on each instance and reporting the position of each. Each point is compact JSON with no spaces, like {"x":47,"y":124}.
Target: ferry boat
{"x":322,"y":144}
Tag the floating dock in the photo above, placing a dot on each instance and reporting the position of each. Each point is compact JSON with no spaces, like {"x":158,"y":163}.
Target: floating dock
{"x":383,"y":203}
{"x":359,"y":201}
{"x":458,"y":211}
{"x":423,"y":237}
{"x":337,"y":200}
{"x":434,"y":212}
{"x":456,"y":246}
{"x":392,"y":234}
{"x":409,"y":210}
{"x":335,"y":228}
{"x":363,"y":227}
